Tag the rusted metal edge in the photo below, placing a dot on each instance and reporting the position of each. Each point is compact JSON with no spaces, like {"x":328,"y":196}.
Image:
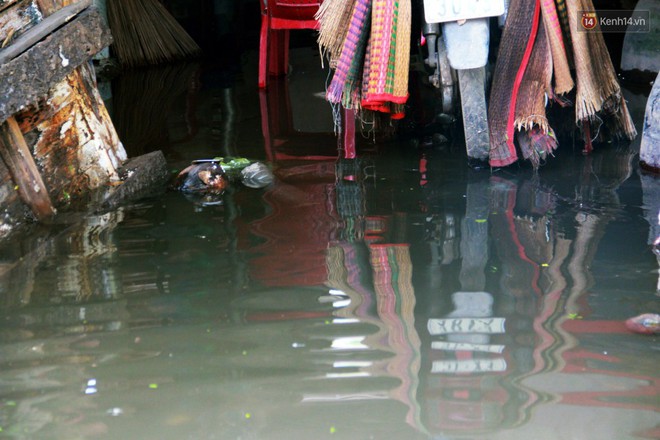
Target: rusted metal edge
{"x":42,"y":30}
{"x":28,"y":77}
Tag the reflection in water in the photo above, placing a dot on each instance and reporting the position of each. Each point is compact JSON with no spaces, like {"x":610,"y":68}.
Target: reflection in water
{"x":540,"y":272}
{"x":145,"y":107}
{"x":76,"y":265}
{"x":335,"y":304}
{"x":651,"y":207}
{"x":388,"y":303}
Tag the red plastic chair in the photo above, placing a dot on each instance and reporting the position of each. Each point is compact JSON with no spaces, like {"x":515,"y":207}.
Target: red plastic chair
{"x":277,"y":18}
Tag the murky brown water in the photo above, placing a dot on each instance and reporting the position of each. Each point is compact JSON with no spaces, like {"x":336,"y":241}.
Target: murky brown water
{"x":353,"y":299}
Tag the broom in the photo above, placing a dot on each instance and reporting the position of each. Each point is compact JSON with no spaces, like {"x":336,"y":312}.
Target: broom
{"x":145,"y":33}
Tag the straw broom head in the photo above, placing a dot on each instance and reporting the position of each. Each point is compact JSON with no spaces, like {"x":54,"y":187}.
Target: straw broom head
{"x":145,"y":33}
{"x":334,"y":17}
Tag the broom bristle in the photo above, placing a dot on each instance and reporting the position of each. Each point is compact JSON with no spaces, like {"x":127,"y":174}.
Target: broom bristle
{"x":145,"y":33}
{"x":333,"y":17}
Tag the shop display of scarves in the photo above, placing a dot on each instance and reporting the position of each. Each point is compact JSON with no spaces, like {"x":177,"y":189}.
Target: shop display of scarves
{"x":368,"y":44}
{"x":540,"y":43}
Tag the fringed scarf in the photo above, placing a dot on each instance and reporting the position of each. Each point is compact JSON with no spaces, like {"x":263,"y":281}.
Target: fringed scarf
{"x":345,"y":85}
{"x":332,"y":17}
{"x":372,"y":57}
{"x":563,"y":81}
{"x":513,"y":57}
{"x":524,"y":72}
{"x":535,"y":137}
{"x":598,"y":89}
{"x":386,"y":79}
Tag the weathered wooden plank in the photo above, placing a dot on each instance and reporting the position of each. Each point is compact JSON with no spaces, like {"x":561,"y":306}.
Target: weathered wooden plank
{"x":39,"y":32}
{"x":24,"y":171}
{"x":29,"y":76}
{"x":72,"y":137}
{"x":18,"y":19}
{"x":4,"y":4}
{"x":49,"y":6}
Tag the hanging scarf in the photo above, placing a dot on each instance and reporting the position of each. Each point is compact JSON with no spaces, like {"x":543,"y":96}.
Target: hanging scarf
{"x":598,"y":89}
{"x":386,"y":78}
{"x":345,"y":84}
{"x":513,"y":57}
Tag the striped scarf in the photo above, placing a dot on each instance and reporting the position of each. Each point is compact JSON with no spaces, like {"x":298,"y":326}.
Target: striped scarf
{"x":345,"y":84}
{"x":385,"y":82}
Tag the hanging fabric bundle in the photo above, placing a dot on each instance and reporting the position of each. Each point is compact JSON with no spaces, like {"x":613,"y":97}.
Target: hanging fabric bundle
{"x":530,"y":74}
{"x":386,"y":74}
{"x":520,"y":82}
{"x":598,"y":90}
{"x":346,"y":81}
{"x":563,"y":82}
{"x":371,"y":57}
{"x":332,"y":17}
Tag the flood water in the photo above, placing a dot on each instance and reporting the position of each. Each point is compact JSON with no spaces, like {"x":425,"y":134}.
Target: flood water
{"x":401,"y":295}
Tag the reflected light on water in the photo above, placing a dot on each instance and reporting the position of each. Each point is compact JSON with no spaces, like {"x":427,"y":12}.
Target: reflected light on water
{"x":349,"y":343}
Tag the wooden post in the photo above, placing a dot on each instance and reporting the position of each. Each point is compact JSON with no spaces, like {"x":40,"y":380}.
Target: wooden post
{"x":18,"y":158}
{"x":50,"y":99}
{"x":23,"y":169}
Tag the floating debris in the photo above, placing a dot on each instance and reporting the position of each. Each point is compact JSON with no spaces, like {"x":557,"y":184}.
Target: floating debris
{"x":204,"y":181}
{"x":257,"y":175}
{"x":645,"y":324}
{"x":202,"y":177}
